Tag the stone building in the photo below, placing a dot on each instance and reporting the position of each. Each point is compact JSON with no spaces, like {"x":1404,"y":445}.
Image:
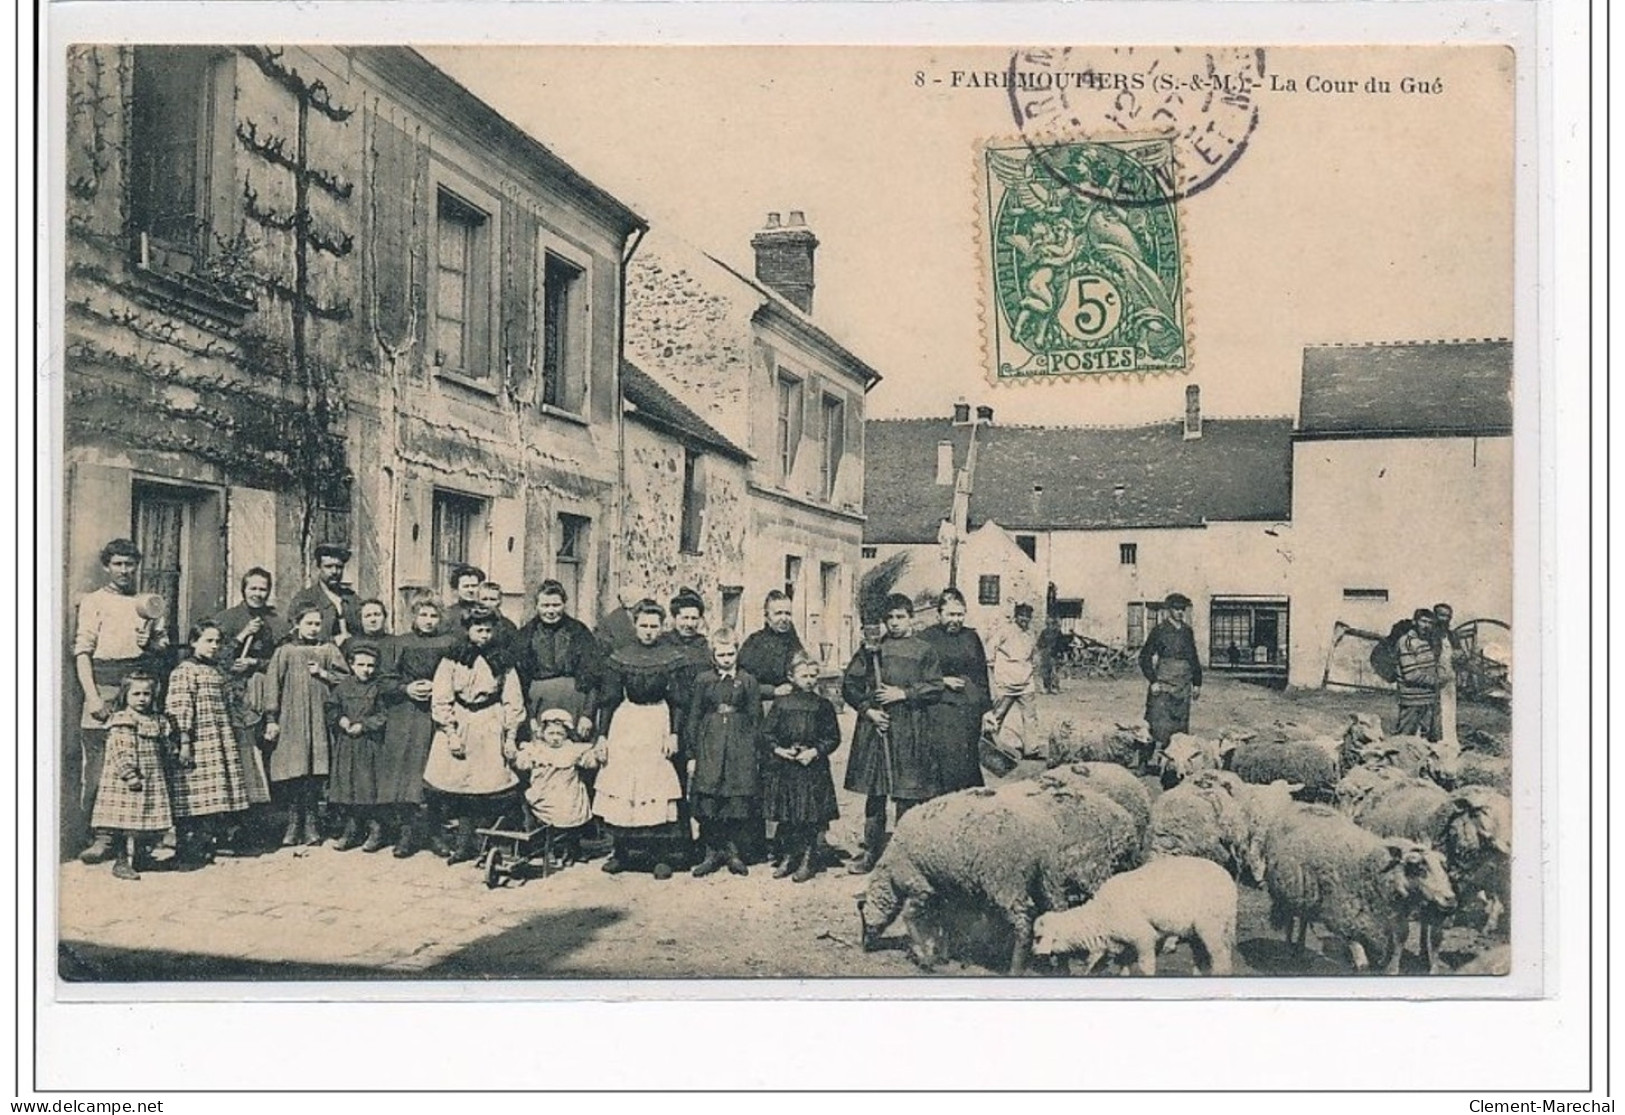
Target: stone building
{"x":1298,"y":542}
{"x":687,"y":516}
{"x":327,"y":294}
{"x":747,"y":355}
{"x":1096,"y":525}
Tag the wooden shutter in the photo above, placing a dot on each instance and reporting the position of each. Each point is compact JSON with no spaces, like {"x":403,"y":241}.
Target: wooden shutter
{"x":396,"y":275}
{"x":507,"y":564}
{"x":98,"y":510}
{"x":414,"y":535}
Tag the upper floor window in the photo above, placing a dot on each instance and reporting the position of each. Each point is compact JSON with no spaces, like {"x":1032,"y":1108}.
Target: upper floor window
{"x":179,"y":164}
{"x":834,"y":430}
{"x":1029,"y":545}
{"x":462,"y":294}
{"x":789,"y":423}
{"x":1128,"y":553}
{"x":564,"y":373}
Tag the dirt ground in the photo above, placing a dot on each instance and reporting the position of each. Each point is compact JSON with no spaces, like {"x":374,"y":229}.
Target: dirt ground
{"x":324,"y":914}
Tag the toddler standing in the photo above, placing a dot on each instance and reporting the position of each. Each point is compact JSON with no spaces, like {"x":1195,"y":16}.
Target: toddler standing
{"x":798,"y":792}
{"x":132,"y":802}
{"x":556,"y":795}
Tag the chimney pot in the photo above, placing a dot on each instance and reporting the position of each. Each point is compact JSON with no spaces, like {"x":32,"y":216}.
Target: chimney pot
{"x":961,"y":413}
{"x":984,"y":414}
{"x":785,"y":255}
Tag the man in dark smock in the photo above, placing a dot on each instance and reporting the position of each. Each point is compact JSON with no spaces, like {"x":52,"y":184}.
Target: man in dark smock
{"x":955,"y":720}
{"x":1174,"y":672}
{"x":892,"y":685}
{"x":339,"y":605}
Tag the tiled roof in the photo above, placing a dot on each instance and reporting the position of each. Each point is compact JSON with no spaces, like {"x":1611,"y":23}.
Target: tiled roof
{"x":655,"y":406}
{"x":1078,"y":478}
{"x":1427,"y":389}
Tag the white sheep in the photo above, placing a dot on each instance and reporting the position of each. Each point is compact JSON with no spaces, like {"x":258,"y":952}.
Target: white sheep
{"x":1017,"y":853}
{"x":1094,"y":741}
{"x":1186,"y":755}
{"x":1311,"y":763}
{"x":1320,"y":866}
{"x":1471,"y":827}
{"x":1362,"y":782}
{"x":1116,"y":782}
{"x":1203,"y":817}
{"x":1179,"y":898}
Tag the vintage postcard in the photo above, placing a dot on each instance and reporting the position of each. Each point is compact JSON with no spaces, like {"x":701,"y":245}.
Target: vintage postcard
{"x":827,"y":513}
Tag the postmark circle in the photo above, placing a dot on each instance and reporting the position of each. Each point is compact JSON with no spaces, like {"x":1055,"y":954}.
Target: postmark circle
{"x":1204,"y":100}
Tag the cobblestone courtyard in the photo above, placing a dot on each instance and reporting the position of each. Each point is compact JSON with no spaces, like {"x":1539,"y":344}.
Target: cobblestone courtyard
{"x":324,"y":914}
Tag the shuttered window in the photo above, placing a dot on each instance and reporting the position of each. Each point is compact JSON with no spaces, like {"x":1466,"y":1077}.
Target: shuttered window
{"x":789,"y":423}
{"x":462,"y":310}
{"x":834,"y":424}
{"x":564,"y":375}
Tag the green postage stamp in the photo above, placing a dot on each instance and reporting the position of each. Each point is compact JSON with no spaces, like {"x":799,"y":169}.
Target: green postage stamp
{"x":1085,"y":258}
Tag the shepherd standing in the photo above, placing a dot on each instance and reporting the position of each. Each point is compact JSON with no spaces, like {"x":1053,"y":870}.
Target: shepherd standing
{"x":1174,"y":673}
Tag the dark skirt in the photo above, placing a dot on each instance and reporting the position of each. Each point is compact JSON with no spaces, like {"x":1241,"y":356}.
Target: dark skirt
{"x":716,"y":807}
{"x":901,"y":763}
{"x":956,"y":729}
{"x":352,"y":779}
{"x":398,"y":768}
{"x":1167,"y":713}
{"x":798,"y":795}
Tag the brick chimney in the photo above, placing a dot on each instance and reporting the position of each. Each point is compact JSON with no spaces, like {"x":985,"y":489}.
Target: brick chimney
{"x":784,"y":258}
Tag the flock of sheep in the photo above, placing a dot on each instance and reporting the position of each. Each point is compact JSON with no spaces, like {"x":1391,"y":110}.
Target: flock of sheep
{"x":1367,"y":836}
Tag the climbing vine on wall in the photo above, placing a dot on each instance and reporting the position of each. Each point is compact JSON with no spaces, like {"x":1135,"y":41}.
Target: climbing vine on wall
{"x":320,"y":458}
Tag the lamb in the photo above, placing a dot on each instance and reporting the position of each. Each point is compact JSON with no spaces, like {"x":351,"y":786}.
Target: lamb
{"x":1178,"y":898}
{"x":1117,"y":783}
{"x":1123,"y":744}
{"x":1313,"y":764}
{"x":1202,"y":817}
{"x":1006,"y":850}
{"x":1321,"y":866}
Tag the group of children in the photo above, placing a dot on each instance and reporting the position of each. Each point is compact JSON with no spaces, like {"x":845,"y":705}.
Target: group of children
{"x":443,"y":741}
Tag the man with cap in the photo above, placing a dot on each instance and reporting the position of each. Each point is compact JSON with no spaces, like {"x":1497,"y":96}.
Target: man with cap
{"x":1171,"y":666}
{"x":1013,"y":659}
{"x":340,"y":608}
{"x":1420,"y":677}
{"x":113,"y":637}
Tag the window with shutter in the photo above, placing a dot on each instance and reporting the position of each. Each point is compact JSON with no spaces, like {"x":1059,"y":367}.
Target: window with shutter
{"x":789,"y":423}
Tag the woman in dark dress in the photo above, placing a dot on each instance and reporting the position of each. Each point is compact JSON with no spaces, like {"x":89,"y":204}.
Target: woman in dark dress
{"x":767,"y":653}
{"x":955,"y":721}
{"x":639,"y":698}
{"x":406,"y":675}
{"x":558,"y":661}
{"x":892,"y":685}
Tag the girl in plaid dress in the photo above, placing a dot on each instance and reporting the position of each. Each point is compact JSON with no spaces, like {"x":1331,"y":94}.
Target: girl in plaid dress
{"x":209,"y":782}
{"x":132,"y":803}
